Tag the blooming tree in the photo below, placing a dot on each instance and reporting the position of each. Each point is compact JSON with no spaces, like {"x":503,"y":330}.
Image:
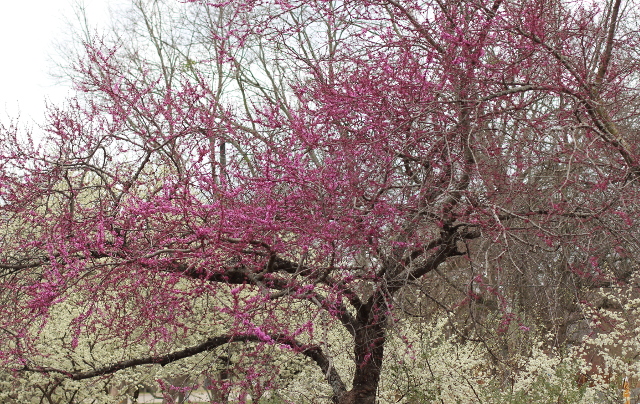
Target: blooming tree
{"x":265,"y":168}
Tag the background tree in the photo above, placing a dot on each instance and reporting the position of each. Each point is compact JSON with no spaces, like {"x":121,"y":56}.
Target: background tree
{"x":293,"y":164}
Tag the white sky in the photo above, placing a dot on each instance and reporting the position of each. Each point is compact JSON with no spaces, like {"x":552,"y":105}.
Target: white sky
{"x":28,"y":32}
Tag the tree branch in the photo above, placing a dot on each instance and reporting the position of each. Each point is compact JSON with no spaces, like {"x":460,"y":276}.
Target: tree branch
{"x":313,"y":352}
{"x":606,"y":56}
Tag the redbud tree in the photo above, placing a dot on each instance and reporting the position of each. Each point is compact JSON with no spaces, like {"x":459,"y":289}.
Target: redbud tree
{"x":289,"y":162}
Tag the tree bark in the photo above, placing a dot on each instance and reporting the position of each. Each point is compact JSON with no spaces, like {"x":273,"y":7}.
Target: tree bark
{"x":369,"y":343}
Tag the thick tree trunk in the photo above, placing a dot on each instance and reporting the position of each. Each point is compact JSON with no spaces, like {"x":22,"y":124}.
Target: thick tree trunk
{"x":369,"y":352}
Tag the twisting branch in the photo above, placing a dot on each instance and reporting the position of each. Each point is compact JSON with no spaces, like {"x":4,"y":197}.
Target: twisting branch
{"x":443,"y":248}
{"x":313,"y":352}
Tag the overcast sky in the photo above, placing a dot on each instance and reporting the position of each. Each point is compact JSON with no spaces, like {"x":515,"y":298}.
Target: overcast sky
{"x":28,"y":32}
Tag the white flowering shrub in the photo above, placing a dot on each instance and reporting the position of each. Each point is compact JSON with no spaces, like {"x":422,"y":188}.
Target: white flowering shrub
{"x":611,"y":335}
{"x":428,"y":361}
{"x":430,"y":364}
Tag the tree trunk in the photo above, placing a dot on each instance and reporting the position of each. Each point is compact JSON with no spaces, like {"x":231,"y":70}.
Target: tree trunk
{"x":369,"y":352}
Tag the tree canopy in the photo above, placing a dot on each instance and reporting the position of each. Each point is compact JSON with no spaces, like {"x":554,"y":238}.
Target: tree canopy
{"x":246,"y":173}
